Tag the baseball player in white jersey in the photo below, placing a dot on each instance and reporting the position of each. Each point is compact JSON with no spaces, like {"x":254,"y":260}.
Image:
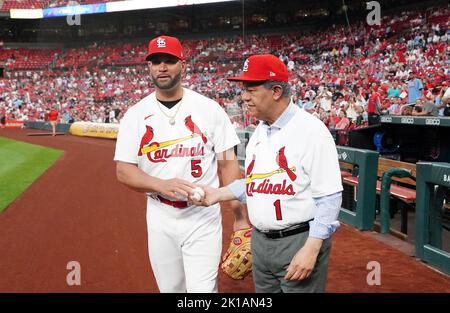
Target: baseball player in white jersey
{"x":168,"y":141}
{"x":292,"y":186}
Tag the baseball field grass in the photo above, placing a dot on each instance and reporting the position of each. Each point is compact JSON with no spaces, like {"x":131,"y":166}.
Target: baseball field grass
{"x":20,"y":165}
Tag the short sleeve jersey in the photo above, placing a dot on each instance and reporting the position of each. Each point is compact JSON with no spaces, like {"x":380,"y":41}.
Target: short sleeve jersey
{"x":186,"y":149}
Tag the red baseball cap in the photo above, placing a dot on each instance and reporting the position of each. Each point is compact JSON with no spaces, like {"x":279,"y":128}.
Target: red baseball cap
{"x":263,"y":67}
{"x":165,"y":44}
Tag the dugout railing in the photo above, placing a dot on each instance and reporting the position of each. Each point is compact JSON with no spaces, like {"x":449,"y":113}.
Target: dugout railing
{"x":433,"y":214}
{"x":358,"y":206}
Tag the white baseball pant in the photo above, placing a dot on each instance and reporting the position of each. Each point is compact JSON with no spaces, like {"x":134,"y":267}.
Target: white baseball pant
{"x":184,"y":247}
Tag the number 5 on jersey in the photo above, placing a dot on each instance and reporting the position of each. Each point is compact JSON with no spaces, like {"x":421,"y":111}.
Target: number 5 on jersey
{"x":196,"y":169}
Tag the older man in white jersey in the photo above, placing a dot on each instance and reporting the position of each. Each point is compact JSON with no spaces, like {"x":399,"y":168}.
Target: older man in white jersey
{"x":292,"y":188}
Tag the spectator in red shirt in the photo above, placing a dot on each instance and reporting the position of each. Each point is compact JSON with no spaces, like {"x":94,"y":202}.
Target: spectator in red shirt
{"x":373,"y":107}
{"x":53,"y":117}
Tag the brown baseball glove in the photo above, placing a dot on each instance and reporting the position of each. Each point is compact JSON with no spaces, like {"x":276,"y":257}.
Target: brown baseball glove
{"x":237,"y":261}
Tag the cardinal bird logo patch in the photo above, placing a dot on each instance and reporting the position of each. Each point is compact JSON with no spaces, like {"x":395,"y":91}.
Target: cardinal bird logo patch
{"x":250,"y":166}
{"x":146,"y":138}
{"x":282,"y":163}
{"x":193,"y":128}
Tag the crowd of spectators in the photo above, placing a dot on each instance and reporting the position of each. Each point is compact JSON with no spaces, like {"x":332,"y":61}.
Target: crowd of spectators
{"x":347,"y":77}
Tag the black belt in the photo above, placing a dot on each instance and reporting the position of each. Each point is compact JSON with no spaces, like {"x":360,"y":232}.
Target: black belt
{"x":297,"y":229}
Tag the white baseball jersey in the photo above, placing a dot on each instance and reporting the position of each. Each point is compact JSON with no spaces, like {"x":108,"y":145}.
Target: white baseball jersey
{"x":185,"y":150}
{"x":184,"y":244}
{"x":285,"y":171}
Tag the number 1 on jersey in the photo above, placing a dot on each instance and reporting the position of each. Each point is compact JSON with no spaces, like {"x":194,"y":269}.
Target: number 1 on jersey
{"x":196,"y":169}
{"x":277,"y":205}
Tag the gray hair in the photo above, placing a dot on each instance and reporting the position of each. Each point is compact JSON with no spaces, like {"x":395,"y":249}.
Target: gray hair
{"x":284,"y":86}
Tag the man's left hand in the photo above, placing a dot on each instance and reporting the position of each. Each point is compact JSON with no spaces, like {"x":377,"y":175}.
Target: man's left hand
{"x":304,"y":260}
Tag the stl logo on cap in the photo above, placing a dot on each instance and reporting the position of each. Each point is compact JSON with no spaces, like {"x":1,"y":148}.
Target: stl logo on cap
{"x":245,"y":69}
{"x":264,"y":67}
{"x":161,"y":42}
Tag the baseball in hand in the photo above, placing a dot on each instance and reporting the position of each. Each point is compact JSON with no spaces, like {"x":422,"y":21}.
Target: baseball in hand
{"x":197,"y":194}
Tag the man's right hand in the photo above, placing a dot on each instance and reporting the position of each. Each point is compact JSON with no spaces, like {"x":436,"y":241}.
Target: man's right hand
{"x":175,"y":188}
{"x":213,"y":196}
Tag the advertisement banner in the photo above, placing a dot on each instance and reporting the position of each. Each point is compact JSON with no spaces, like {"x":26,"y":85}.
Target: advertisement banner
{"x":14,"y":124}
{"x":129,"y":5}
{"x":75,"y":10}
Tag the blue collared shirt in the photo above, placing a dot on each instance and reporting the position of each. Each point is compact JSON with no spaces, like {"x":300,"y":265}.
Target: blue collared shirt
{"x":325,"y":221}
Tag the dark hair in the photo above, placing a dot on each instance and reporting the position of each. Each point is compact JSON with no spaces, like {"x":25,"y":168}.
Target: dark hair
{"x":284,"y":86}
